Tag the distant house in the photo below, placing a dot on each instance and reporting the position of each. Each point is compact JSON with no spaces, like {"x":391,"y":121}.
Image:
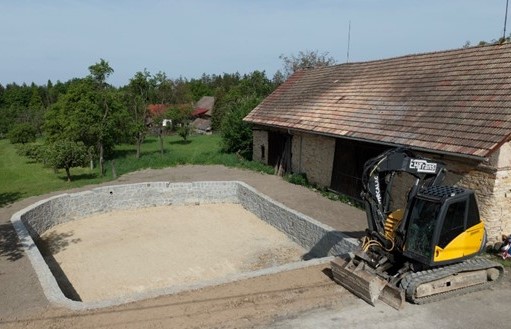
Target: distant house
{"x":157,"y":110}
{"x":454,"y":106}
{"x":202,"y":113}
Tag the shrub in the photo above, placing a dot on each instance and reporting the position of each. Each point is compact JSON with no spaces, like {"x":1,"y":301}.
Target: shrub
{"x":237,"y":134}
{"x":22,"y":133}
{"x":298,"y":179}
{"x":184,"y":131}
{"x":32,"y":151}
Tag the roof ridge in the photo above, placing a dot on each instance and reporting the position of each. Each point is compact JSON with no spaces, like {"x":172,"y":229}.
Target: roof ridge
{"x":472,"y":49}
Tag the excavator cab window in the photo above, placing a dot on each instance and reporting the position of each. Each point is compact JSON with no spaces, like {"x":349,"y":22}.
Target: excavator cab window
{"x":419,"y":239}
{"x":454,"y":223}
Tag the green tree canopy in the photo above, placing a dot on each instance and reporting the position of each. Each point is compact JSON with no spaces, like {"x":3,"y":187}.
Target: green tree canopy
{"x":22,"y":133}
{"x":137,"y":97}
{"x":66,"y":154}
{"x":237,"y":134}
{"x":97,"y":119}
{"x":305,"y":59}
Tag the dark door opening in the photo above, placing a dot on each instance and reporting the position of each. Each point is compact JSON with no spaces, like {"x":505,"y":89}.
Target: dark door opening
{"x":349,"y":159}
{"x":279,"y":151}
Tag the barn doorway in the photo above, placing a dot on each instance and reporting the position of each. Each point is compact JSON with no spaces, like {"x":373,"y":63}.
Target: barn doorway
{"x":349,"y":159}
{"x":279,"y":152}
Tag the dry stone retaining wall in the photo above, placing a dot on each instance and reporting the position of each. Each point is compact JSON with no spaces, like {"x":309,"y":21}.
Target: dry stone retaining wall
{"x":31,"y":222}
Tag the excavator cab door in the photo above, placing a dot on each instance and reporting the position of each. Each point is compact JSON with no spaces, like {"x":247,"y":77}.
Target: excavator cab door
{"x":462,"y":233}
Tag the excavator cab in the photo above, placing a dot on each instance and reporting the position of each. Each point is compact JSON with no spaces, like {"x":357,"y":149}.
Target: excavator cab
{"x":443,"y":226}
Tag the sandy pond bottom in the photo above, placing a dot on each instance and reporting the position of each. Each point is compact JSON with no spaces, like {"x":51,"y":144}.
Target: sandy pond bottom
{"x":124,"y":252}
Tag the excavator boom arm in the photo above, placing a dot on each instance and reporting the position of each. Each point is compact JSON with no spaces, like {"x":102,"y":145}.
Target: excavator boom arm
{"x":378,"y":177}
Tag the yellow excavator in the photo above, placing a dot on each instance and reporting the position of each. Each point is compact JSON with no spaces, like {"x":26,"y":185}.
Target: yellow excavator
{"x":422,"y":248}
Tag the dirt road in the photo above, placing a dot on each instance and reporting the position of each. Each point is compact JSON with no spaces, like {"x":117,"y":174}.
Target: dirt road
{"x":304,"y":298}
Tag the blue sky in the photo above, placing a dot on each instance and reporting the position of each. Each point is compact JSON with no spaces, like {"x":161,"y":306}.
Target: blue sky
{"x":59,"y":40}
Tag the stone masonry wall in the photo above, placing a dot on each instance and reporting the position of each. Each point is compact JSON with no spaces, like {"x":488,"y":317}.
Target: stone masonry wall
{"x":313,"y":155}
{"x":312,"y":235}
{"x":63,"y":208}
{"x":66,"y":207}
{"x":320,"y":240}
{"x":491,"y":182}
{"x":260,"y":142}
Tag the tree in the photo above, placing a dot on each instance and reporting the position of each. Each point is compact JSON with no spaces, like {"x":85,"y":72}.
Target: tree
{"x":66,"y":154}
{"x":163,"y":88}
{"x":304,"y":60}
{"x":255,"y":84}
{"x":97,"y":118}
{"x":99,"y":73}
{"x":184,"y":130}
{"x":179,"y":114}
{"x":237,"y":134}
{"x":22,"y":133}
{"x":278,"y":78}
{"x":139,"y":90}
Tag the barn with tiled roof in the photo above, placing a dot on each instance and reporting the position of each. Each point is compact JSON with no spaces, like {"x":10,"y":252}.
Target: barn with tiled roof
{"x":452,"y":105}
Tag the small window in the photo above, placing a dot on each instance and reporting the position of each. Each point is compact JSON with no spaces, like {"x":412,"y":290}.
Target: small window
{"x":421,"y":228}
{"x":262,"y":152}
{"x":473,"y":212}
{"x":454,"y":223}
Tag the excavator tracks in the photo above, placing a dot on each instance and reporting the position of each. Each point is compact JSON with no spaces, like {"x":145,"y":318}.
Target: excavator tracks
{"x":449,"y":281}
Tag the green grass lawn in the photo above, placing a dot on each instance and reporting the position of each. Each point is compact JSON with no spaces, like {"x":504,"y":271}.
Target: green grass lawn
{"x":20,"y":177}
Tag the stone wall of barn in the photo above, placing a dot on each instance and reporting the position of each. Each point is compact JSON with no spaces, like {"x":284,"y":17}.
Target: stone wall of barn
{"x":314,"y":156}
{"x":491,"y":180}
{"x":260,"y":146}
{"x":492,"y":183}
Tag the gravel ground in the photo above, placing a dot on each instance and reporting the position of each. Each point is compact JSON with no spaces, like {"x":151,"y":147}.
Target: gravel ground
{"x":303,"y":298}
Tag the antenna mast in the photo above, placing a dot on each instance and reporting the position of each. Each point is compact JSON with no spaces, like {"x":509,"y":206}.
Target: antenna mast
{"x":505,"y":21}
{"x":349,"y":36}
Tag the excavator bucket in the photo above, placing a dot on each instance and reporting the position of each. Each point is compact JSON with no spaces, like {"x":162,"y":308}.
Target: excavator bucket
{"x":364,"y":284}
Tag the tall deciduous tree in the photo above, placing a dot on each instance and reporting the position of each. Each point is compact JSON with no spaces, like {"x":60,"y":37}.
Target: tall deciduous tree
{"x":305,"y":59}
{"x":163,"y":88}
{"x":255,"y":84}
{"x":99,"y":73}
{"x":237,"y":134}
{"x":91,"y":112}
{"x":138,"y":94}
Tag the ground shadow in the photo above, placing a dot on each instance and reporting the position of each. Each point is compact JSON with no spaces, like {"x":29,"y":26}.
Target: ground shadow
{"x":117,"y":154}
{"x":180,"y":142}
{"x":328,"y":272}
{"x":77,"y":177}
{"x":323,"y":247}
{"x":9,"y":197}
{"x":355,"y":234}
{"x":10,"y":246}
{"x":52,"y":244}
{"x":62,"y":280}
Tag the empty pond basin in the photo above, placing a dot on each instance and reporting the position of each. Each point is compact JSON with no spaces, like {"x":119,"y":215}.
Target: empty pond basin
{"x":122,"y":252}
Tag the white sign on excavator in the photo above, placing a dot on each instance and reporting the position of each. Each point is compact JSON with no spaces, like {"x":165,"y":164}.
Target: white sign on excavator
{"x":423,"y":166}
